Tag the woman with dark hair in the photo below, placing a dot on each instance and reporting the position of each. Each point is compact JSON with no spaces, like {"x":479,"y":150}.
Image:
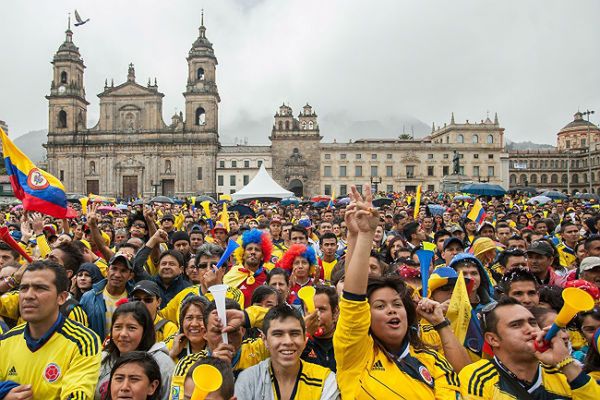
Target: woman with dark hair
{"x":135,"y":376}
{"x":190,"y":338}
{"x":377,"y":347}
{"x":132,"y":329}
{"x":588,"y":322}
{"x":391,"y":254}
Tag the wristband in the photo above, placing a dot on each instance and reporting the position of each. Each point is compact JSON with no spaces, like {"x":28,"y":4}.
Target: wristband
{"x":442,"y":324}
{"x":568,"y":360}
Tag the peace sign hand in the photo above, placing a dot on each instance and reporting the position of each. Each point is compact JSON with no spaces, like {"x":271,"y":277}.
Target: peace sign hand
{"x":363,"y":217}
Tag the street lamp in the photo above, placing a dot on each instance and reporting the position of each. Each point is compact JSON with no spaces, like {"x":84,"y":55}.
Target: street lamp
{"x":588,"y":113}
{"x":155,"y":186}
{"x":375,"y":181}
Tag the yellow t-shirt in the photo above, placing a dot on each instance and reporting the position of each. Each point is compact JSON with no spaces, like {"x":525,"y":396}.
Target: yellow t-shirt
{"x":327,"y":268}
{"x":111,"y":305}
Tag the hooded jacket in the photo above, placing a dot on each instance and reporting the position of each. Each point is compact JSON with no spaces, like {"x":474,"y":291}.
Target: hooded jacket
{"x":486,"y":289}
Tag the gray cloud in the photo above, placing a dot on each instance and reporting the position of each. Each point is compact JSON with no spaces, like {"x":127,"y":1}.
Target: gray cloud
{"x":392,"y":62}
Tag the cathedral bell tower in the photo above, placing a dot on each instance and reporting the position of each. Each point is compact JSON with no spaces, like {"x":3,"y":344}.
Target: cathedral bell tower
{"x":201,"y":95}
{"x":67,"y":104}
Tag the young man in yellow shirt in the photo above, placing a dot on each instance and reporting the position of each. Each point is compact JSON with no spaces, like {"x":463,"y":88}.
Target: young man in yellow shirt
{"x":50,"y":356}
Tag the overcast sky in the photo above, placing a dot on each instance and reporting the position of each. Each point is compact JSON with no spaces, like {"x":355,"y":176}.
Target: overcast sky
{"x":533,"y":62}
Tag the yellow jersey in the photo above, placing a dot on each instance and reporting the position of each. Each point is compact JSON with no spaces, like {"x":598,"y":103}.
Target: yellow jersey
{"x":566,"y":255}
{"x":481,"y":380}
{"x":63,"y":364}
{"x":163,"y":328}
{"x":365,"y":371}
{"x":251,"y":353}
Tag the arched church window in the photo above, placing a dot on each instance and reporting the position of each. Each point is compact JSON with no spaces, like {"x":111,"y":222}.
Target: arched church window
{"x":490,"y":139}
{"x":303,"y":124}
{"x":280,"y":125}
{"x":310,"y":125}
{"x":287,"y":125}
{"x":62,"y":119}
{"x":475,"y":139}
{"x":200,"y":74}
{"x":167,"y":166}
{"x":92,"y":167}
{"x":63,"y":77}
{"x":200,"y":116}
{"x":460,"y":139}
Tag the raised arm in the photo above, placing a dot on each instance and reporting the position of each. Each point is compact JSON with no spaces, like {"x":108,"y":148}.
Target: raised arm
{"x":361,"y":220}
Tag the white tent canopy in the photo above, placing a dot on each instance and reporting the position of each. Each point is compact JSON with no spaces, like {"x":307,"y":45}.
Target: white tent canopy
{"x":262,"y":186}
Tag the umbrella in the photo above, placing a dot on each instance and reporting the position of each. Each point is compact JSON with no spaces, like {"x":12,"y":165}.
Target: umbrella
{"x":344,"y":201}
{"x":320,"y":198}
{"x":320,"y":204}
{"x":539,"y":200}
{"x":74,"y":198}
{"x":290,"y":200}
{"x":382,"y":201}
{"x":587,"y":196}
{"x":162,"y":199}
{"x":463,"y":197}
{"x":122,"y":206}
{"x":436,"y":209}
{"x":242,"y":210}
{"x":525,"y":189}
{"x":484,"y":189}
{"x":554,"y":195}
{"x":138,"y":202}
{"x":202,"y":198}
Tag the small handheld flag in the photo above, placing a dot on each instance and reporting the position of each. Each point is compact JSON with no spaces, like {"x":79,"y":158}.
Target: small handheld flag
{"x":477,"y":213}
{"x":417,"y":202}
{"x":36,"y":188}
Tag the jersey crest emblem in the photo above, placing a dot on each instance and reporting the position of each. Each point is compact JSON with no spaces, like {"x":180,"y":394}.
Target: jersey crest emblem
{"x":426,"y":375}
{"x":52,"y":373}
{"x":36,"y":180}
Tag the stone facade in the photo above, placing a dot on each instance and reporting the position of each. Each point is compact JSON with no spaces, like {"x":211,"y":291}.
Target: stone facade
{"x":238,"y":165}
{"x":131,"y":151}
{"x":565,"y":168}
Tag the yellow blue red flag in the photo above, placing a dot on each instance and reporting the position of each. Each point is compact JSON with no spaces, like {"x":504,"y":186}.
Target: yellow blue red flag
{"x":36,"y":188}
{"x":477,"y":213}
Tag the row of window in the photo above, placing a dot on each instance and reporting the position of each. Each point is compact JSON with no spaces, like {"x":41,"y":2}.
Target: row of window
{"x":543,"y":178}
{"x":389,"y":156}
{"x":562,"y":164}
{"x":234,"y":163}
{"x":232,"y":180}
{"x":389,"y":171}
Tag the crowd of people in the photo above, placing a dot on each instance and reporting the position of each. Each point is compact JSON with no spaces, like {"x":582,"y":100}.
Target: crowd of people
{"x":117,"y":304}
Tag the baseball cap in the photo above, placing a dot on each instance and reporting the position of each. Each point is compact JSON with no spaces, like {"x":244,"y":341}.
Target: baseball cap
{"x":147,"y":287}
{"x":451,"y":240}
{"x":455,"y":228}
{"x":441,"y":277}
{"x":305,"y":222}
{"x":541,"y":247}
{"x":120,"y":257}
{"x":168,"y":217}
{"x":589,"y":263}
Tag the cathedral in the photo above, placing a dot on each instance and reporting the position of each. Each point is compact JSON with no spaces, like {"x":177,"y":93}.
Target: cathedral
{"x":131,"y":152}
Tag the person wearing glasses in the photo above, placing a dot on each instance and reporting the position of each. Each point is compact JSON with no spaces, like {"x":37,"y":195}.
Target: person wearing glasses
{"x":518,"y":370}
{"x":207,"y":256}
{"x":148,"y":293}
{"x":378,"y":351}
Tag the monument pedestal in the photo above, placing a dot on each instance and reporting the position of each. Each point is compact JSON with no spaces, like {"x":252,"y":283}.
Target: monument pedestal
{"x":454,"y":183}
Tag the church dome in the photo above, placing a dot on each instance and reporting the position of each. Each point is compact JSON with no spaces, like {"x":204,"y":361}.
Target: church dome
{"x":578,"y":122}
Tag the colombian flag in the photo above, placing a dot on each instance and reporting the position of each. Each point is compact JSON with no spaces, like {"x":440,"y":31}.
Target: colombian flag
{"x":477,"y":213}
{"x":37,"y":189}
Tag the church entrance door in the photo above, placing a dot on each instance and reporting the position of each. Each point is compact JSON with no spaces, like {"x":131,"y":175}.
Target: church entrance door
{"x":168,"y":187}
{"x":130,"y":186}
{"x":297,"y":187}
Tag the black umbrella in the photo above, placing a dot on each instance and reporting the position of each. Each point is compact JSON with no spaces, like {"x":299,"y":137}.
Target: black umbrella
{"x":161,"y":199}
{"x":202,"y":198}
{"x":242,"y":210}
{"x":382,"y":201}
{"x":74,"y":197}
{"x":555,"y":195}
{"x":587,"y":196}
